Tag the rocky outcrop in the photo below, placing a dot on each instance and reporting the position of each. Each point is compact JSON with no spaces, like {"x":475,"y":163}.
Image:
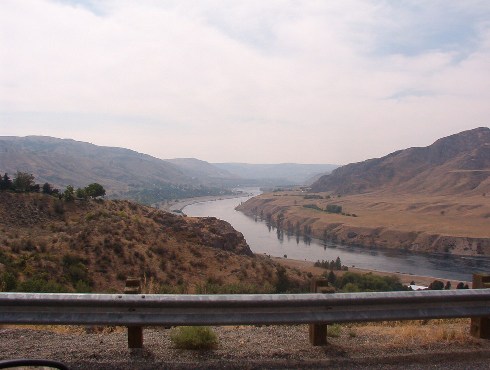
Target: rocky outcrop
{"x":411,"y":241}
{"x":221,"y":235}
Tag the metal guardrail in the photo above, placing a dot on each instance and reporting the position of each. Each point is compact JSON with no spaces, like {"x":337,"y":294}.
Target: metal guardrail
{"x":169,"y":310}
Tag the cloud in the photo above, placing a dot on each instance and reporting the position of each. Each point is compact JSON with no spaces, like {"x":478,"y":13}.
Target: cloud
{"x":280,"y":81}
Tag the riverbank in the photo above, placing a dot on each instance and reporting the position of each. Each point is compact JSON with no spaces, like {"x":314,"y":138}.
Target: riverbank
{"x":406,"y":279}
{"x":413,"y":222}
{"x":177,"y":206}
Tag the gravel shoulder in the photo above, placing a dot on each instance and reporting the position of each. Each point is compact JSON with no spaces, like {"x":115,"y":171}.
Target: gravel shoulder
{"x":436,"y":344}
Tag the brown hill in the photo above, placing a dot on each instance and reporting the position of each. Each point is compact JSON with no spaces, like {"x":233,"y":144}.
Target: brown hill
{"x":63,"y":162}
{"x":50,"y":245}
{"x":457,"y":164}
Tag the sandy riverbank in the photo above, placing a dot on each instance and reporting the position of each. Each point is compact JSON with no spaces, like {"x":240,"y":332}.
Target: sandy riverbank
{"x":406,"y":279}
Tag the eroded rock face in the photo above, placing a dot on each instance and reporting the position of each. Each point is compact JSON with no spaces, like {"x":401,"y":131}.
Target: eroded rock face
{"x":410,"y":240}
{"x":208,"y":231}
{"x":221,"y":235}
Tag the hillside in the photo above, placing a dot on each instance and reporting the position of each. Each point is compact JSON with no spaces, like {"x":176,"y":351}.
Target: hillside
{"x":457,"y":164}
{"x":126,"y":174}
{"x":50,"y":245}
{"x":64,"y":161}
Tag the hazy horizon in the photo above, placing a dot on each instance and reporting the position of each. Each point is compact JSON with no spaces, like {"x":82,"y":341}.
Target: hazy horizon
{"x":261,"y":83}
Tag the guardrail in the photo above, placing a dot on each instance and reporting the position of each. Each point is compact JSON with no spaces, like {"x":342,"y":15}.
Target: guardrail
{"x":136,"y":310}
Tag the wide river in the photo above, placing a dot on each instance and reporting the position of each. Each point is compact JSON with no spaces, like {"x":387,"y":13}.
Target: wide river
{"x":264,"y":241}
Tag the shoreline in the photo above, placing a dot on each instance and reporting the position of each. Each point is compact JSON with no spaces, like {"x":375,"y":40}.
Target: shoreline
{"x":179,"y":205}
{"x":308,"y":266}
{"x":304,"y":265}
{"x":414,"y":223}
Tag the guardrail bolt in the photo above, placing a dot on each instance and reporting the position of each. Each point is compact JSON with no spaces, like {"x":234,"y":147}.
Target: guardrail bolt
{"x":135,"y":333}
{"x":480,"y":326}
{"x":318,"y":332}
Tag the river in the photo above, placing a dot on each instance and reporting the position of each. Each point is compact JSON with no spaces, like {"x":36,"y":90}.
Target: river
{"x":263,"y":240}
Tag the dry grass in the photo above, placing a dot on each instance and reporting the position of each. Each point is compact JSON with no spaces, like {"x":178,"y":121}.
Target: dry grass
{"x":417,"y":333}
{"x":70,"y":329}
{"x":103,"y":243}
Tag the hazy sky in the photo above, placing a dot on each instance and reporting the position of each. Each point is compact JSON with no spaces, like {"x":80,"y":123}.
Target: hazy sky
{"x":246,"y":81}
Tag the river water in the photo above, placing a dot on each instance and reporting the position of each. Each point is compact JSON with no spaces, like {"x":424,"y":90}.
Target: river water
{"x":263,"y":240}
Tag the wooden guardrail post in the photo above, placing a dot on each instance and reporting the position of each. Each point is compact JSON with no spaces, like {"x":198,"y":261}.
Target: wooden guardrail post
{"x":480,"y":326}
{"x":318,"y":332}
{"x":135,"y":333}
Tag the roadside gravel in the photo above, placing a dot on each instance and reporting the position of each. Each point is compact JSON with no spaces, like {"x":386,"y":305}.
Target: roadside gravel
{"x":248,"y":347}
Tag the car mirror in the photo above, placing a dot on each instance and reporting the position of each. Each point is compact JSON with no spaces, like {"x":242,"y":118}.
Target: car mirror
{"x":31,"y":364}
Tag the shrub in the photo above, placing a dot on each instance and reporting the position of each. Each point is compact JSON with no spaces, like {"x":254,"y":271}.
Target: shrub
{"x":312,"y":206}
{"x":39,"y":284}
{"x":333,"y":208}
{"x":312,"y":196}
{"x":194,"y":337}
{"x":334,"y":330}
{"x":58,"y":207}
{"x":353,"y":282}
{"x":436,"y":285}
{"x":8,"y":282}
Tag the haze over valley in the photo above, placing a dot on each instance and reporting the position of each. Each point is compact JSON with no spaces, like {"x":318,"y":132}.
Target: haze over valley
{"x":131,"y":175}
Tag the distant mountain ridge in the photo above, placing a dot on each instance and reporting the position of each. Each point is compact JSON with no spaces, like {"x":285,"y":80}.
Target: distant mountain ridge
{"x":202,"y":170}
{"x":128,"y":174}
{"x":282,"y":173}
{"x":459,"y":163}
{"x":64,"y":161}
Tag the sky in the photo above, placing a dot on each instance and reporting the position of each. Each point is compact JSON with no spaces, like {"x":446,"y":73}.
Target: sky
{"x":246,"y":81}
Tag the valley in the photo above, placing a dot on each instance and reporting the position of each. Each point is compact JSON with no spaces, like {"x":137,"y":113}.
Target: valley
{"x":432,"y":199}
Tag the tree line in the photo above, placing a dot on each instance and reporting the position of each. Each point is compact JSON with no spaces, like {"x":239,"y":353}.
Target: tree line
{"x":24,"y":182}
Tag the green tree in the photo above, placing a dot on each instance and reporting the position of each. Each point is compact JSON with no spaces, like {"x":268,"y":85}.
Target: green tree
{"x":23,"y":182}
{"x":5,"y":182}
{"x":47,"y":188}
{"x":333,"y":208}
{"x":95,"y":190}
{"x":81,"y":193}
{"x":331,"y":278}
{"x":436,"y":285}
{"x":283,"y":283}
{"x":69,"y":194}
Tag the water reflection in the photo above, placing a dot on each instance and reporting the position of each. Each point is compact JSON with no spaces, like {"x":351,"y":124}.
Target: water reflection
{"x":265,"y":237}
